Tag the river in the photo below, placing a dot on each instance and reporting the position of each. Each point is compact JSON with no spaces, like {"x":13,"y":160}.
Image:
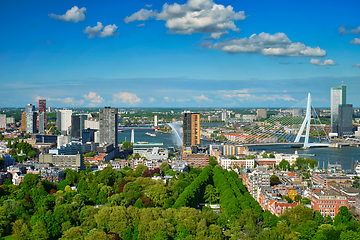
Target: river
{"x":342,"y":155}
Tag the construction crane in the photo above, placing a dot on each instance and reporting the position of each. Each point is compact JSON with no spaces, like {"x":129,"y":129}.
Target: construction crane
{"x":47,"y":131}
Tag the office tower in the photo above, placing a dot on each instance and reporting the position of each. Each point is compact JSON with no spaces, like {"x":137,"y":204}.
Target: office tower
{"x":261,"y":113}
{"x":23,"y":122}
{"x":341,"y":113}
{"x":31,"y":116}
{"x":191,"y":129}
{"x":77,"y":125}
{"x":63,"y":120}
{"x":297,"y":113}
{"x":42,"y":115}
{"x":108,"y":125}
{"x":2,"y":121}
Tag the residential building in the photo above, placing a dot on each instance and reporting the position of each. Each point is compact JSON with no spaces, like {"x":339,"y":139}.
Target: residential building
{"x":63,"y":120}
{"x":74,"y":162}
{"x":108,"y":125}
{"x":10,"y":120}
{"x":349,"y":192}
{"x":196,"y":160}
{"x":324,"y":179}
{"x":31,"y":117}
{"x":155,"y":153}
{"x":279,"y":207}
{"x":2,"y":121}
{"x":327,"y":201}
{"x":23,"y":122}
{"x":261,"y":113}
{"x":227,"y":163}
{"x":92,"y":124}
{"x":191,"y":129}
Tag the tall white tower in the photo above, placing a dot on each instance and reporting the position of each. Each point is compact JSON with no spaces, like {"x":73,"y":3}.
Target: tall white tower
{"x":132,"y":136}
{"x":155,"y":122}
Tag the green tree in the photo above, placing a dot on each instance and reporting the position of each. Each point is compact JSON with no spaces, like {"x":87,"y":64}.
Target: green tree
{"x":164,"y":167}
{"x":21,"y":230}
{"x":74,"y":233}
{"x":284,"y":164}
{"x":158,"y":193}
{"x":39,"y":231}
{"x":127,"y":145}
{"x":211,"y":194}
{"x":140,"y":169}
{"x":212,"y":161}
{"x":274,"y":180}
{"x":30,"y":181}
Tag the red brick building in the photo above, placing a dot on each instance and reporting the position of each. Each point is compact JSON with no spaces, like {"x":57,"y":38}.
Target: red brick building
{"x":196,"y":160}
{"x":278,"y":208}
{"x":327,"y":201}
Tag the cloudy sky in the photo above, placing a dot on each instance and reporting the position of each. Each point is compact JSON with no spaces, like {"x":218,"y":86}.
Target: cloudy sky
{"x":195,"y":53}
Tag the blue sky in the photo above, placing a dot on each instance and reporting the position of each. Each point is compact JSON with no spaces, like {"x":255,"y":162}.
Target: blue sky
{"x":196,"y":53}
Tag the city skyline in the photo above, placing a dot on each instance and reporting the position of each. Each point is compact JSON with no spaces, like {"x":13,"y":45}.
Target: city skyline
{"x":156,"y":54}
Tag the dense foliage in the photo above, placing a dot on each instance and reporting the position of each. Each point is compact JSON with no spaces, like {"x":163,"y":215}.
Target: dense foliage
{"x":129,"y":204}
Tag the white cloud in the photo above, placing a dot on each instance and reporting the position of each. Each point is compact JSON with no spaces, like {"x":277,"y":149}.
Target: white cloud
{"x":357,"y":65}
{"x":141,"y":15}
{"x":94,"y":99}
{"x":202,"y":98}
{"x":69,"y":100}
{"x":342,"y":30}
{"x":243,"y":94}
{"x":148,"y":5}
{"x":182,"y":100}
{"x":355,"y":41}
{"x":126,"y":97}
{"x":73,"y":15}
{"x":151,"y":100}
{"x":195,"y":16}
{"x":93,"y":30}
{"x":168,"y":99}
{"x":108,"y":31}
{"x":277,"y":45}
{"x":141,"y":25}
{"x":318,"y":62}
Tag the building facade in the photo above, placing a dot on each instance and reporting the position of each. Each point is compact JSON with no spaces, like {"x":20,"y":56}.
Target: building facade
{"x":31,"y":117}
{"x":261,"y":113}
{"x":73,"y":162}
{"x":42,"y":115}
{"x":63,"y":120}
{"x":2,"y":121}
{"x":77,"y":125}
{"x":191,"y":129}
{"x":108,"y":121}
{"x":341,"y":113}
{"x":327,"y":201}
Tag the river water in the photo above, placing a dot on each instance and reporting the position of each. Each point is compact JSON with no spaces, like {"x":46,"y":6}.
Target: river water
{"x":343,"y":155}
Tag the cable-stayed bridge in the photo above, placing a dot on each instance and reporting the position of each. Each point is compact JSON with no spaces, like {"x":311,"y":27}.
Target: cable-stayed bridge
{"x":285,"y":128}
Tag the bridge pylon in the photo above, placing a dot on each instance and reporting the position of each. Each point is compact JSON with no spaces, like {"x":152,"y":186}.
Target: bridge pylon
{"x":306,"y":123}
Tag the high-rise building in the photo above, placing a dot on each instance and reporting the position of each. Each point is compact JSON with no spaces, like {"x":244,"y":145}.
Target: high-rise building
{"x":223,"y":115}
{"x":31,"y":116}
{"x":108,"y":125}
{"x":341,"y":113}
{"x":77,"y":125}
{"x":63,"y":120}
{"x":191,"y":129}
{"x":261,"y":113}
{"x":2,"y":121}
{"x":42,"y":115}
{"x":23,"y":122}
